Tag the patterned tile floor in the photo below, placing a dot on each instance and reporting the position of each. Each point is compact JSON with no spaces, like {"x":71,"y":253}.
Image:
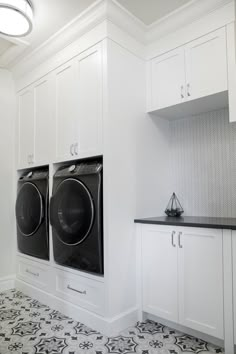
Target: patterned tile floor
{"x":29,"y":327}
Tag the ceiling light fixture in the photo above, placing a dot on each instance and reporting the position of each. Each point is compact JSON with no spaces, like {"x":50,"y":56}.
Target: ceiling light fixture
{"x":16,"y":17}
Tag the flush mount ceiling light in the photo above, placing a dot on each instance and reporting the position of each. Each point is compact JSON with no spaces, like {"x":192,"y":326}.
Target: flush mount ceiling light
{"x":16,"y":17}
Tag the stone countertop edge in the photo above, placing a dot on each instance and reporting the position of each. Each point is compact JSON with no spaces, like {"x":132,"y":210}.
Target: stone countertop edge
{"x":191,"y":221}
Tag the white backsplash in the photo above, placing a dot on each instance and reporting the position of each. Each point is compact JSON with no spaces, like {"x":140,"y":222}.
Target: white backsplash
{"x":203,"y":164}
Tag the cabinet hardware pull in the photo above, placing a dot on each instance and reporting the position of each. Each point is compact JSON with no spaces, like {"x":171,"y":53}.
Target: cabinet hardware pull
{"x":32,"y":273}
{"x":76,"y":148}
{"x":71,"y":149}
{"x":179,"y":241}
{"x":77,"y":291}
{"x":182,"y":91}
{"x":188,"y":90}
{"x":172,"y":238}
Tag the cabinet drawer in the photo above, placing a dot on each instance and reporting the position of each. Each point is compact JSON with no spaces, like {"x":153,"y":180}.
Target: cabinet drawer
{"x":33,"y":273}
{"x":81,"y":291}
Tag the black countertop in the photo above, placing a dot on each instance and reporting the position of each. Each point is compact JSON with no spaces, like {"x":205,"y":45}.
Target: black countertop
{"x":192,"y":221}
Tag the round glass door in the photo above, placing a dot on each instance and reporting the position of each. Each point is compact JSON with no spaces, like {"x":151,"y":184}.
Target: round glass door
{"x":29,"y":209}
{"x":72,"y":211}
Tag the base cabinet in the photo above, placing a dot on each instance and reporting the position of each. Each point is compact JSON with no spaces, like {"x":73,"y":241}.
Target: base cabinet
{"x":182,"y":276}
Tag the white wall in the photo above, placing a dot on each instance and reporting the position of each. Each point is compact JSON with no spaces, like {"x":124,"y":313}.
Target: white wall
{"x":203,"y":164}
{"x":7,"y":146}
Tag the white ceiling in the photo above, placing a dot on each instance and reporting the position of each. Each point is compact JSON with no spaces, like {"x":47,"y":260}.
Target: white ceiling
{"x":51,"y":15}
{"x":149,"y":11}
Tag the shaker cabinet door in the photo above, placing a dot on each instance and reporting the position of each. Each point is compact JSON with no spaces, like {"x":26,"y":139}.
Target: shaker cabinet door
{"x":66,"y":114}
{"x":89,"y":102}
{"x":26,"y":127}
{"x":201,"y":280}
{"x":160,"y":275}
{"x":44,"y":121}
{"x":167,"y":80}
{"x":206,"y":65}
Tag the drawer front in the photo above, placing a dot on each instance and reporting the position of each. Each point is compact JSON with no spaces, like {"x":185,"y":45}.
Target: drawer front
{"x":33,"y":273}
{"x":81,"y":291}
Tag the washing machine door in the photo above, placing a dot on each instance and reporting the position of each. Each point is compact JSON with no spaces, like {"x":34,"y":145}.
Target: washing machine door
{"x":72,"y":211}
{"x":29,"y":209}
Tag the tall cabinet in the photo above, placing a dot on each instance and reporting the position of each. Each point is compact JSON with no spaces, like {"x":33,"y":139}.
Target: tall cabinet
{"x":61,"y":115}
{"x":95,"y":100}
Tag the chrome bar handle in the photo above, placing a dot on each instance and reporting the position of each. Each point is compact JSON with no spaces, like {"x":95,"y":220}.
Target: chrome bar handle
{"x":32,"y":273}
{"x":71,"y":149}
{"x":76,"y":148}
{"x":179,"y":240}
{"x":188,"y":90}
{"x":172,"y":238}
{"x":77,"y":291}
{"x":182,"y":91}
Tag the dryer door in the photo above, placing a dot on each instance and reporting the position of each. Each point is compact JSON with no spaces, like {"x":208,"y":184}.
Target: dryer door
{"x":29,"y":209}
{"x":72,"y":211}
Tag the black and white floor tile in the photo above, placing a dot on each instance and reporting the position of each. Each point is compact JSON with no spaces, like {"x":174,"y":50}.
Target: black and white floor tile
{"x":29,"y":327}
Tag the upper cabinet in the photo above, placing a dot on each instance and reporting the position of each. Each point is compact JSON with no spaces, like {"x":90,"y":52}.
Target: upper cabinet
{"x":206,"y":65}
{"x":79,"y":106}
{"x":167,"y":78}
{"x":193,"y":71}
{"x":35,"y":123}
{"x":60,"y":115}
{"x":26,"y":125}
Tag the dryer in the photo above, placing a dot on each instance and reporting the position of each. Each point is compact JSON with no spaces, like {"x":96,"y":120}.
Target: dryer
{"x":76,"y":217}
{"x":32,"y":214}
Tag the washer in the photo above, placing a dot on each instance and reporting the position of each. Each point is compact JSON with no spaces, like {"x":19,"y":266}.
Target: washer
{"x":76,"y":217}
{"x":32,"y":214}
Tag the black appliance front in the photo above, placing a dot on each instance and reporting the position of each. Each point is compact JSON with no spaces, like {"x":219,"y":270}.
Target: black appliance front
{"x":32,"y":215}
{"x":76,"y":217}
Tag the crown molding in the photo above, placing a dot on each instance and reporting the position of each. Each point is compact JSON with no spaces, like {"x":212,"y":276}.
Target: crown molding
{"x":16,"y":49}
{"x":186,"y":14}
{"x":112,"y":12}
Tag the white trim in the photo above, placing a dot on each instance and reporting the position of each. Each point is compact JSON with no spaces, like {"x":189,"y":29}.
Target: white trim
{"x":211,"y":21}
{"x":107,"y":326}
{"x":192,"y":11}
{"x":111,"y":14}
{"x":186,"y":330}
{"x":228,"y":291}
{"x":7,"y":283}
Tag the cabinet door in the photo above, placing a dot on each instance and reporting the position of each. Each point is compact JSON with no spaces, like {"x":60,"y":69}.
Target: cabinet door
{"x":167,"y":79}
{"x":206,"y":65}
{"x":201,"y":280}
{"x":159,"y":278}
{"x":26,"y":128}
{"x":44,"y":133}
{"x":89,"y":102}
{"x":65,"y":110}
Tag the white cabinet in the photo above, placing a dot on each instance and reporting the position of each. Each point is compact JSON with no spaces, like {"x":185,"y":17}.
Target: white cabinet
{"x":80,"y":290}
{"x":44,"y":121}
{"x":167,"y":77}
{"x":195,"y":70}
{"x":200,"y":270}
{"x":206,"y":65}
{"x":79,"y":106}
{"x":35,"y":124}
{"x":159,"y":273}
{"x":65,"y":89}
{"x":26,"y":127}
{"x":89,"y":102}
{"x":182,"y":276}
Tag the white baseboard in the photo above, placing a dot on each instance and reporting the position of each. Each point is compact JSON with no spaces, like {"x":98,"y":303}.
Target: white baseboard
{"x":107,"y":326}
{"x":186,"y":330}
{"x":7,"y":283}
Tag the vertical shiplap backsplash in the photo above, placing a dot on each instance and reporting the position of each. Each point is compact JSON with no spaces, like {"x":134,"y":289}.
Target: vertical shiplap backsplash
{"x":203,"y":164}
